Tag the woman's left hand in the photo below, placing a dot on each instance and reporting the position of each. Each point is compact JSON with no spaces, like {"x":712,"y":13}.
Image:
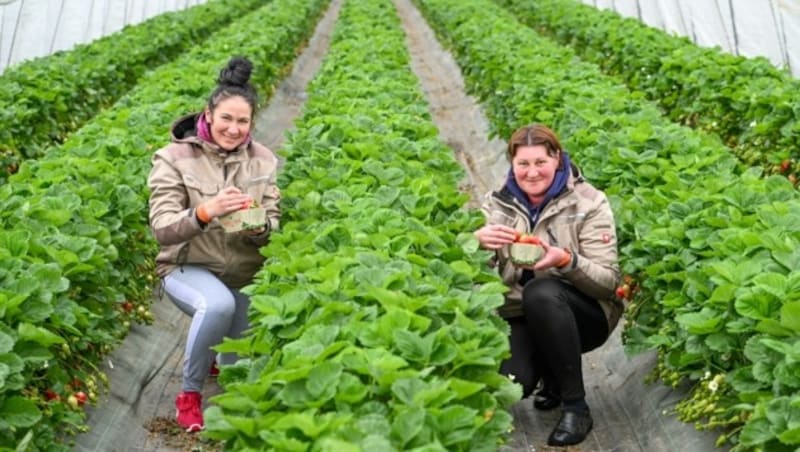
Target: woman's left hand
{"x":252,"y":232}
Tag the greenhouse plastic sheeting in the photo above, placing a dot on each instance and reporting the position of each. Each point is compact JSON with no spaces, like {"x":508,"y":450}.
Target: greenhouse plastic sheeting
{"x":34,"y":28}
{"x":768,"y":28}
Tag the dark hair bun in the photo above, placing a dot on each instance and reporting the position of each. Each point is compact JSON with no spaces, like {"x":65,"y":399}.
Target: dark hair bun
{"x":237,"y":72}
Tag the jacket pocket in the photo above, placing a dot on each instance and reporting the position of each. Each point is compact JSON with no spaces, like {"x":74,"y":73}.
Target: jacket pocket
{"x":198,"y":189}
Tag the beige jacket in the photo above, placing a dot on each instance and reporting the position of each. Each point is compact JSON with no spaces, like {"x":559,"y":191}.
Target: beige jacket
{"x":190,"y":171}
{"x":580,"y":218}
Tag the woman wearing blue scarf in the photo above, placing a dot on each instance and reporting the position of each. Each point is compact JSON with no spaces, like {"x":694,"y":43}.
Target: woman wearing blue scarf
{"x":563,"y":305}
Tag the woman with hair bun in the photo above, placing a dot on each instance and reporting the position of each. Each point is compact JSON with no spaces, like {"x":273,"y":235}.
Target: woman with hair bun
{"x":211,"y":168}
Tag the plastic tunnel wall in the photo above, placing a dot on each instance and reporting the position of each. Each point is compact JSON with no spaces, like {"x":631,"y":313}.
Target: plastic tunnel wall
{"x":750,"y":28}
{"x":35,"y":28}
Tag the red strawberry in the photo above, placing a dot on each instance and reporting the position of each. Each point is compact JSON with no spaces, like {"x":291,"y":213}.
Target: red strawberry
{"x":81,"y":397}
{"x":528,"y":238}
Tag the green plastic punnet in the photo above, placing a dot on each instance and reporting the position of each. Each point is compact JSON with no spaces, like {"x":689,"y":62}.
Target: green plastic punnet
{"x":526,"y":253}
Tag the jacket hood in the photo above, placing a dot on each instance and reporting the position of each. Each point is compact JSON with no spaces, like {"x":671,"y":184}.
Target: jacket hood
{"x":184,"y":129}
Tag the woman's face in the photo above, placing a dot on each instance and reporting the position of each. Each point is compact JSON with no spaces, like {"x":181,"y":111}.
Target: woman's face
{"x":534,"y":170}
{"x":230,"y":122}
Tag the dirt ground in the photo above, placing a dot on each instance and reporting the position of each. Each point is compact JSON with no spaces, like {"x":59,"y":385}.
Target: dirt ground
{"x":278,"y":116}
{"x":145,"y":372}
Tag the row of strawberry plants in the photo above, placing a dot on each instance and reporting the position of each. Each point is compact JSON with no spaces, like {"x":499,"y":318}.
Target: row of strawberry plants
{"x":748,"y":102}
{"x":45,"y":99}
{"x":368,"y":330}
{"x":711,"y":244}
{"x":75,"y":249}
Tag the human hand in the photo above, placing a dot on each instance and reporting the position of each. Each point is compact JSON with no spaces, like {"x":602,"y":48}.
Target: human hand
{"x":495,"y":236}
{"x":552,"y":257}
{"x":226,"y":201}
{"x":252,"y":232}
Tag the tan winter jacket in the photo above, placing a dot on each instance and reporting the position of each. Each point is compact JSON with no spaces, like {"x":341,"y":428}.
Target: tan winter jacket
{"x":190,"y":171}
{"x":580,"y":219}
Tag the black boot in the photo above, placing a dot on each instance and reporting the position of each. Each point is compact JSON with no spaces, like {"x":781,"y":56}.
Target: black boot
{"x":571,"y":429}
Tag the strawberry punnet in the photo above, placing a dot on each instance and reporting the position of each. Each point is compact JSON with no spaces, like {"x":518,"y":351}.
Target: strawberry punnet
{"x":526,"y":250}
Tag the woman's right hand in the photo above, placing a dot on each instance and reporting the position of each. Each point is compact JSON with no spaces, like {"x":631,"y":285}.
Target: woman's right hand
{"x":495,"y":236}
{"x":229,"y":199}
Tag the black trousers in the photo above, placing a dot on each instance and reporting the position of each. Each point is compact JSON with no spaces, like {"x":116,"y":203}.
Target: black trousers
{"x":560,"y":323}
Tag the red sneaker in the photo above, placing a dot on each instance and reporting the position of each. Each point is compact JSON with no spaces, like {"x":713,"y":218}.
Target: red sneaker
{"x":214,"y":371}
{"x":189,"y":413}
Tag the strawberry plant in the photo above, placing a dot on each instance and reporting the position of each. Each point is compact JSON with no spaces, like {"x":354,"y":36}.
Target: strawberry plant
{"x":66,"y":287}
{"x":371,"y":329}
{"x":747,"y":102}
{"x":47,"y":98}
{"x":710,"y":243}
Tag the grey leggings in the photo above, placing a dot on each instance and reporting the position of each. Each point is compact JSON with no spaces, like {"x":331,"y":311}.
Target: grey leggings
{"x":217,"y":311}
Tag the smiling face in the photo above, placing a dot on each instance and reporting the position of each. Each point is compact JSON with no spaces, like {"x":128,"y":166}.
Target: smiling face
{"x":230,"y":122}
{"x":534,"y":170}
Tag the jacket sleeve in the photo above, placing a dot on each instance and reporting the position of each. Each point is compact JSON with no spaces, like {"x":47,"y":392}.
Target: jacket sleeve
{"x":595,"y":266}
{"x":271,"y":202}
{"x":487,"y":205}
{"x":172,"y":220}
{"x":494,"y":212}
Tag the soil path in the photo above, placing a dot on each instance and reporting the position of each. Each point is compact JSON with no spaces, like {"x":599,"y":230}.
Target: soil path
{"x":460,"y":120}
{"x":277,"y":118}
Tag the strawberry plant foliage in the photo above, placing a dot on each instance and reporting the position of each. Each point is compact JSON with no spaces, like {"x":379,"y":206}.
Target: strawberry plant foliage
{"x":699,"y":231}
{"x":48,"y":98}
{"x":370,"y":324}
{"x":68,"y":294}
{"x":747,"y":102}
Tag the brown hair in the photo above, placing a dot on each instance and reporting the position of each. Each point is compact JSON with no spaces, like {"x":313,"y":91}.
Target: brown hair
{"x":234,"y":80}
{"x":534,"y":135}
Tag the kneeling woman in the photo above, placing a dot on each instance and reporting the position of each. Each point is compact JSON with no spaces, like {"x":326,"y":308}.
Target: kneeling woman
{"x":212,"y":168}
{"x":563,"y":305}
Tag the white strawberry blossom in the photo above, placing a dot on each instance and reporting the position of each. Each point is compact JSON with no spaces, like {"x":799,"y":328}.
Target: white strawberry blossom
{"x":713,"y":385}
